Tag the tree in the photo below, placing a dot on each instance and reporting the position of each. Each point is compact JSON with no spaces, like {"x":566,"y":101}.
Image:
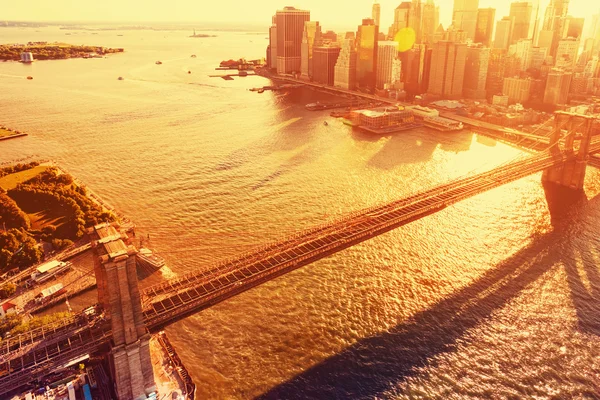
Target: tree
{"x":11,"y":215}
{"x":5,"y":257}
{"x":29,"y":255}
{"x":7,"y":290}
{"x":9,"y":322}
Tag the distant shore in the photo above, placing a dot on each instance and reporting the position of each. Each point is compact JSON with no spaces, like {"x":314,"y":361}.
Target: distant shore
{"x":53,"y":51}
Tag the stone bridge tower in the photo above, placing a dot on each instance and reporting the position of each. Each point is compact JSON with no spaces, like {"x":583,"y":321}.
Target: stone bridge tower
{"x":571,"y":135}
{"x":119,"y":296}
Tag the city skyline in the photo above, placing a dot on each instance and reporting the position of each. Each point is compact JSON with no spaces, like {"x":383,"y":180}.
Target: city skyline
{"x":229,"y":11}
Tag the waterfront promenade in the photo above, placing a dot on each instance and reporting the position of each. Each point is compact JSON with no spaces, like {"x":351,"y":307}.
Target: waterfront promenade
{"x":526,"y":141}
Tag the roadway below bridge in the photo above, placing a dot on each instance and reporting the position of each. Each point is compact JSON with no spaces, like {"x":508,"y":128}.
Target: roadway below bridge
{"x":32,"y":355}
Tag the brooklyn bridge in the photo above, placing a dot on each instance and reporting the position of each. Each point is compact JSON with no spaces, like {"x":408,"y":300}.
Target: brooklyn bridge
{"x":124,"y":317}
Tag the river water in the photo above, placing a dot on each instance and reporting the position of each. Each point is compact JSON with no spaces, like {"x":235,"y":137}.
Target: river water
{"x":491,"y":298}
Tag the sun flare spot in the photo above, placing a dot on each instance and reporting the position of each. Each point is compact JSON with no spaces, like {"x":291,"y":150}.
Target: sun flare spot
{"x":405,"y":38}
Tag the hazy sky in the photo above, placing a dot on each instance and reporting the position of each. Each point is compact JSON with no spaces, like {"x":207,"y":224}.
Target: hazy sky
{"x":333,"y":14}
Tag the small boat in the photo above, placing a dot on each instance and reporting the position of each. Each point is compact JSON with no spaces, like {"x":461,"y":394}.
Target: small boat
{"x":30,"y":77}
{"x":147,"y":258}
{"x":193,"y":56}
{"x":158,"y":62}
{"x":121,"y":78}
{"x":261,"y":90}
{"x":189,"y":72}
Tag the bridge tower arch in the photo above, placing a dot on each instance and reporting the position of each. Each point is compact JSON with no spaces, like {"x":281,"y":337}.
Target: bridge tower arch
{"x":571,"y":136}
{"x":119,"y":297}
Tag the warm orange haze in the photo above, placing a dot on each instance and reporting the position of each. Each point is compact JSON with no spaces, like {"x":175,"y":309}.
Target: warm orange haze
{"x":319,"y":200}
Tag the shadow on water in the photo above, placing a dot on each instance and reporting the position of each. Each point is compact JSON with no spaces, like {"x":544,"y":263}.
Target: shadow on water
{"x":416,"y":147}
{"x":375,"y":364}
{"x":568,"y":210}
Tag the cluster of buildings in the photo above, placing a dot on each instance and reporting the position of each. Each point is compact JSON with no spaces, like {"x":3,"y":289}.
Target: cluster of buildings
{"x":525,"y":57}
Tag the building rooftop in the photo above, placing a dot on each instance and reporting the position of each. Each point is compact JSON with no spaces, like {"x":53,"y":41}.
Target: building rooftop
{"x":48,"y":266}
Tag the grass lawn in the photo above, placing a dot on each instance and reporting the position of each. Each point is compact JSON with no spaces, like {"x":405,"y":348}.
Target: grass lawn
{"x":42,"y":218}
{"x":11,"y":181}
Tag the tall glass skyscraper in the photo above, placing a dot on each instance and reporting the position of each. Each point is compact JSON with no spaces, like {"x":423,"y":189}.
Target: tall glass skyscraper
{"x":290,"y":27}
{"x":366,"y":47}
{"x":464,"y":16}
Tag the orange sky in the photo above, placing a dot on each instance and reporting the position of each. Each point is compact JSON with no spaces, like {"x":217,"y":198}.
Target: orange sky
{"x":255,"y":12}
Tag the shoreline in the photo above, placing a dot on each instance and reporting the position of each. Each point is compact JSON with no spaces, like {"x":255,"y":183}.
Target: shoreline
{"x":487,"y":129}
{"x":13,"y":136}
{"x":42,"y":51}
{"x":171,"y":375}
{"x":8,"y":133}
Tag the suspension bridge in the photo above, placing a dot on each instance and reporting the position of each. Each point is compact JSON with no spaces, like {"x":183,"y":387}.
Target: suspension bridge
{"x":131,"y":314}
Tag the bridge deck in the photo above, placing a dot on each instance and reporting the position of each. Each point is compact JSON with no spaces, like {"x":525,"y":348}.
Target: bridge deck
{"x":174,"y":299}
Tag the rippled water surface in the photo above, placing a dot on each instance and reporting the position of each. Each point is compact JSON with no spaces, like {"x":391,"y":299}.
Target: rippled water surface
{"x":491,"y":298}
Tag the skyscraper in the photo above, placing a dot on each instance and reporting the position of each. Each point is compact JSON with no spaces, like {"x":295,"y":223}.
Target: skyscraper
{"x":595,"y":32}
{"x":566,"y":53}
{"x":290,"y":28}
{"x":572,"y":27}
{"x":324,"y":59}
{"x":376,"y":13}
{"x":496,"y":71}
{"x":387,"y":53}
{"x":523,"y":50}
{"x":345,"y":68}
{"x":414,"y":69}
{"x":554,"y":20}
{"x":485,"y":26}
{"x":504,"y":29}
{"x":401,"y":18}
{"x":557,"y":86}
{"x":430,"y":21}
{"x":588,"y":52}
{"x":366,"y":43}
{"x":517,"y":90}
{"x":545,"y":39}
{"x":464,"y":16}
{"x":521,"y":12}
{"x":272,"y":48}
{"x":407,"y":15}
{"x":447,"y":69}
{"x":415,"y":19}
{"x":476,"y":69}
{"x":310,"y":37}
{"x":538,"y":57}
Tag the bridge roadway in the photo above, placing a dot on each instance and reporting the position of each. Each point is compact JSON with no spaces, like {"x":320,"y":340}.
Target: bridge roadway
{"x":31,"y":355}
